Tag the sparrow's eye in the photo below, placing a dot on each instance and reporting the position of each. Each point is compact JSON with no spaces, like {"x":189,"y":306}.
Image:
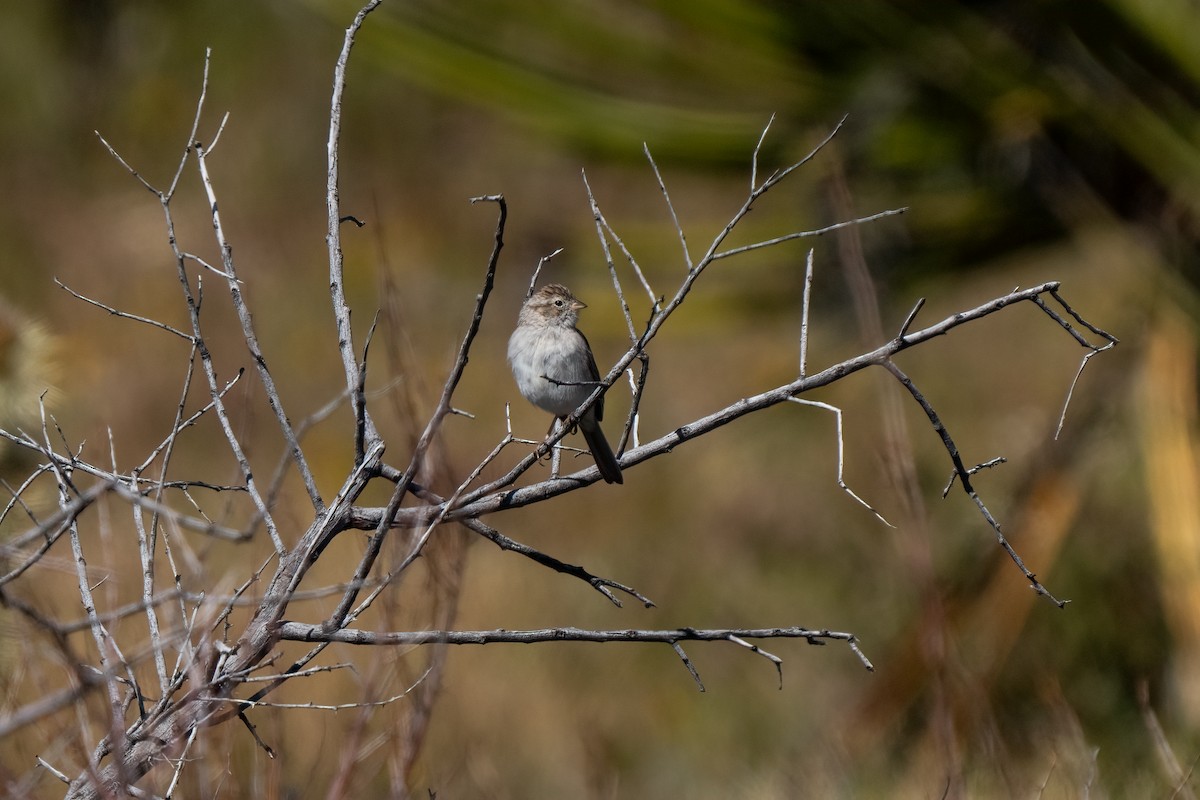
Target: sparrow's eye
{"x":559,"y":302}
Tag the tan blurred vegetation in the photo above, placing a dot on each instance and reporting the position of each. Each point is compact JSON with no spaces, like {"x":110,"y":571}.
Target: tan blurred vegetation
{"x":1032,"y":142}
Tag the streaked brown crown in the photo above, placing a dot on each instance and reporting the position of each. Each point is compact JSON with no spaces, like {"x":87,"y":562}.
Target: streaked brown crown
{"x":552,"y":302}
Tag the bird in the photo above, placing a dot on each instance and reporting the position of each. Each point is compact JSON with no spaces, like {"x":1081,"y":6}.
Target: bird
{"x":555,"y":370}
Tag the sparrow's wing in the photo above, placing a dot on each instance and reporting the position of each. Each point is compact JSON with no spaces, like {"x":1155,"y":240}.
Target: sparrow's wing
{"x":593,"y":374}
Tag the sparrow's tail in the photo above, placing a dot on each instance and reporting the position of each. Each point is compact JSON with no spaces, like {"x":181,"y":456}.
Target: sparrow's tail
{"x":610,"y":470}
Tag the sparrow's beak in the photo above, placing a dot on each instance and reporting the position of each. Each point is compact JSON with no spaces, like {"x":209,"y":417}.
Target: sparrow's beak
{"x":576,"y":305}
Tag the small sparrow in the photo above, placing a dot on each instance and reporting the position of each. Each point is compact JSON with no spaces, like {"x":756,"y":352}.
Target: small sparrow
{"x":555,"y":370}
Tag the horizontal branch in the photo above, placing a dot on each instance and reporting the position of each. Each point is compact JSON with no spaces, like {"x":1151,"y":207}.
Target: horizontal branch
{"x":303,"y":632}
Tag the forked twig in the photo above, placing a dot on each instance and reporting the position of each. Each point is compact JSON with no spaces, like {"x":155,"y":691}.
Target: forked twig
{"x":841,"y":448}
{"x":964,"y":478}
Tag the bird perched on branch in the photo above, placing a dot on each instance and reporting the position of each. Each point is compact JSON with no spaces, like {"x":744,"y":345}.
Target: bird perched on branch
{"x":555,"y":370}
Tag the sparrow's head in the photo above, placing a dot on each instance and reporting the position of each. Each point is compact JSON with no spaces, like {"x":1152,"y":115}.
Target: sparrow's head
{"x":552,"y":304}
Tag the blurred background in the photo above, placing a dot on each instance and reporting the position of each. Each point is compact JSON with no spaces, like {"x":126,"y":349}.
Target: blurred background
{"x":1029,"y":141}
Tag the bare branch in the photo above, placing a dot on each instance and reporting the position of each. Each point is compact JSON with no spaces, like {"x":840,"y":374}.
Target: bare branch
{"x":1054,"y":315}
{"x":260,"y":361}
{"x":603,"y":232}
{"x":432,"y":426}
{"x":44,"y":764}
{"x":995,"y":462}
{"x":779,"y":175}
{"x":762,"y":137}
{"x":837,"y":412}
{"x":182,"y":424}
{"x":687,"y":662}
{"x":53,"y":526}
{"x":602,"y":585}
{"x":214,"y":270}
{"x":662,"y":187}
{"x":126,"y":315}
{"x":333,"y":234}
{"x":805,"y":305}
{"x":301,"y":632}
{"x":911,"y":318}
{"x":542,"y":262}
{"x":120,"y":160}
{"x":965,"y":478}
{"x":1062,"y":418}
{"x":753,"y":648}
{"x":737,"y":251}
